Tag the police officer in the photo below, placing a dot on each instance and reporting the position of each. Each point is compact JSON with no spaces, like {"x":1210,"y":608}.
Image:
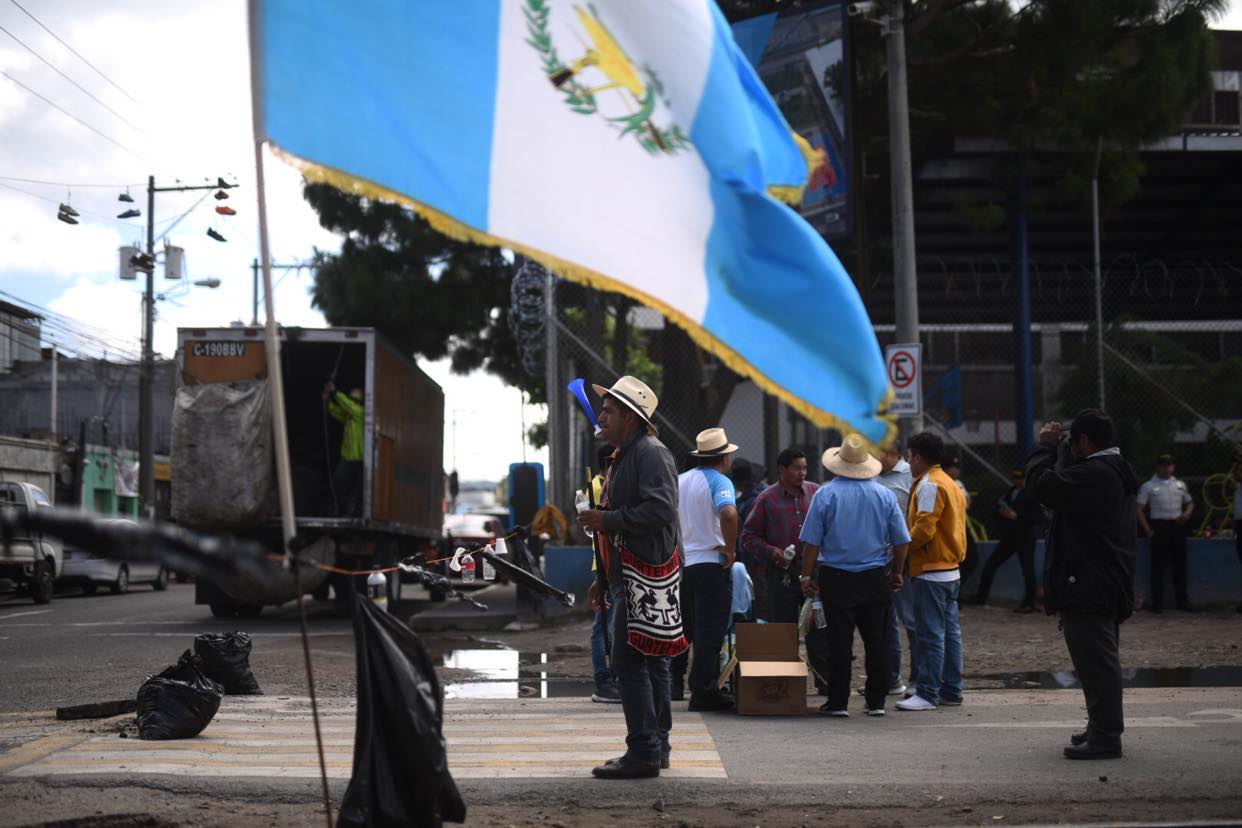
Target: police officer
{"x":1164,"y":508}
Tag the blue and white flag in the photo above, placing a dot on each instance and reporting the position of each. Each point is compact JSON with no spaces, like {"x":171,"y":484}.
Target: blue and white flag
{"x":626,"y":144}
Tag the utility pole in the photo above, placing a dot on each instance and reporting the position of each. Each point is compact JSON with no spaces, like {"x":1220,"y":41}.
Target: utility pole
{"x":254,"y":294}
{"x":146,"y":377}
{"x":905,"y":279}
{"x":54,"y":428}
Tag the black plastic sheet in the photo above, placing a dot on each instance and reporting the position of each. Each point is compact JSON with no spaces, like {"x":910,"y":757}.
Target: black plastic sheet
{"x":225,"y":659}
{"x":401,"y":775}
{"x":177,"y":703}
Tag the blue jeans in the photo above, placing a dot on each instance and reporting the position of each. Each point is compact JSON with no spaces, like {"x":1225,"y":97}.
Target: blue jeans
{"x":901,"y":617}
{"x":938,"y":640}
{"x":599,"y":648}
{"x":643,"y":682}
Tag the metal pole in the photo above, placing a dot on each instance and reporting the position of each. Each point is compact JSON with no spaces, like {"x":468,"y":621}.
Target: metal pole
{"x":905,"y":278}
{"x":1099,"y":281}
{"x":254,"y":294}
{"x":146,"y":397}
{"x":54,"y":429}
{"x":1023,"y":414}
{"x":551,"y":355}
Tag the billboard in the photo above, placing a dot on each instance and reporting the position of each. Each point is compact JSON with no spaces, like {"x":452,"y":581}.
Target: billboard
{"x":800,"y":54}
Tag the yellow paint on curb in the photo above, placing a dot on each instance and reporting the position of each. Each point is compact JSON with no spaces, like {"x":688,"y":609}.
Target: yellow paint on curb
{"x":36,"y":750}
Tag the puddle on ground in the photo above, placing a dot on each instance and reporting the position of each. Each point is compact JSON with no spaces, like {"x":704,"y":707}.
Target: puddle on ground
{"x":1230,"y":676}
{"x":510,"y":674}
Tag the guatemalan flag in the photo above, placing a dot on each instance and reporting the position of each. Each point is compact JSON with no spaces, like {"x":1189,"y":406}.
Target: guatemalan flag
{"x":626,"y":144}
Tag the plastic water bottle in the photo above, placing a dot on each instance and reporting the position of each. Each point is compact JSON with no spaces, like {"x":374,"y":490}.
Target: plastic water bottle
{"x":489,"y":571}
{"x":817,"y":612}
{"x":582,"y":503}
{"x":467,"y":569}
{"x":377,"y":589}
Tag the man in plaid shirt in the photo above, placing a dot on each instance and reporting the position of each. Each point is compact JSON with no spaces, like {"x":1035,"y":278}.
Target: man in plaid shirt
{"x":773,"y":526}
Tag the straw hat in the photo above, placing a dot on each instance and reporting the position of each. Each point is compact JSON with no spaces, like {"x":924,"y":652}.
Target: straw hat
{"x":852,"y":459}
{"x":635,"y":395}
{"x":712,"y":442}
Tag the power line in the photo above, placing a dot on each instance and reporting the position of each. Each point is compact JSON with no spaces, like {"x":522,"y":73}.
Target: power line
{"x":55,"y":201}
{"x":75,"y":52}
{"x":68,"y":184}
{"x":66,"y":112}
{"x":84,"y":90}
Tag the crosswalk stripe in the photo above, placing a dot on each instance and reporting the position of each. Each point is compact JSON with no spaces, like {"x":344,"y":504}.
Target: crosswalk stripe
{"x":262,"y":736}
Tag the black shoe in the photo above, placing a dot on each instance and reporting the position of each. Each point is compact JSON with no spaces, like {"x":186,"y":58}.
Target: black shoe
{"x":128,"y":214}
{"x":713,"y":701}
{"x":211,"y":232}
{"x":1099,"y":750}
{"x":663,"y":761}
{"x":626,"y":768}
{"x":1080,"y":737}
{"x":1024,"y":609}
{"x":677,"y":692}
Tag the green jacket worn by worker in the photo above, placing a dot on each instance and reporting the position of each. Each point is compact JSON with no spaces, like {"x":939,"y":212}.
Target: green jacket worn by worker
{"x":349,"y":412}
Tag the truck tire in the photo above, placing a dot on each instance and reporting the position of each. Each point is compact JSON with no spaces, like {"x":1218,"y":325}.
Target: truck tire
{"x":42,"y":581}
{"x":223,"y":608}
{"x":161,"y":580}
{"x":121,"y":585}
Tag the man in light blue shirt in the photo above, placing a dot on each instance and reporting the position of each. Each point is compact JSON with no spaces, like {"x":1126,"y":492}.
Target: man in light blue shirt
{"x":854,"y":528}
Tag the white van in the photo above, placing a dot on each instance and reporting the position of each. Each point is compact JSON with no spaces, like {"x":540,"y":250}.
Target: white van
{"x":29,"y":559}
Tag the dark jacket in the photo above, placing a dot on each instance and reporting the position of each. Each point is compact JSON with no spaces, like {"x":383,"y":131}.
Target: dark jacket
{"x":1089,"y":563}
{"x":642,"y":502}
{"x":1029,"y":514}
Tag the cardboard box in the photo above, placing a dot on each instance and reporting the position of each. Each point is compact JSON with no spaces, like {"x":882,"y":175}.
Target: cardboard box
{"x":771,"y":679}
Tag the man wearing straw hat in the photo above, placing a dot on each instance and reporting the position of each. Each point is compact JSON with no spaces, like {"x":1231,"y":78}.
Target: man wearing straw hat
{"x":638,"y":532}
{"x":852,"y":524}
{"x":707,"y":513}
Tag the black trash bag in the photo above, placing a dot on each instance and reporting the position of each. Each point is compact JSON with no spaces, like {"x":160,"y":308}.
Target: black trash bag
{"x":177,"y":703}
{"x":401,"y":775}
{"x":226,"y":660}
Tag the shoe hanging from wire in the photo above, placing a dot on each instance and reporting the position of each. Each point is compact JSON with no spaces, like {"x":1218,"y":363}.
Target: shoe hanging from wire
{"x":224,"y":185}
{"x":69,"y":211}
{"x":221,"y":195}
{"x":130,"y":213}
{"x":212,"y":232}
{"x":126,"y":197}
{"x":225,"y":210}
{"x":65,"y":217}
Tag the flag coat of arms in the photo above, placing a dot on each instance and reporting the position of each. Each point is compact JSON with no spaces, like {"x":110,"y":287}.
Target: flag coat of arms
{"x":626,"y":144}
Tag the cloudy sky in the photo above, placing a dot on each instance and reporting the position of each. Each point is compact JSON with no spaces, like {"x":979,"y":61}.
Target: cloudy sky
{"x":181,"y":75}
{"x":175,"y":104}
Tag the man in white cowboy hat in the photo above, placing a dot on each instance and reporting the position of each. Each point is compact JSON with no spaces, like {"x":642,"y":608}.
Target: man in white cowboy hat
{"x":638,"y":532}
{"x":707,"y":512}
{"x":852,"y":525}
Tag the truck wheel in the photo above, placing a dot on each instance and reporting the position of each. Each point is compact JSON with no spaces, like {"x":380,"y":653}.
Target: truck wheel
{"x":161,"y":580}
{"x":42,"y":582}
{"x":121,"y":585}
{"x":223,"y":609}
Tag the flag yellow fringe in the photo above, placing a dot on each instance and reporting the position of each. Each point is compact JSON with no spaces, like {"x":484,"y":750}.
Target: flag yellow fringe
{"x":453,"y":228}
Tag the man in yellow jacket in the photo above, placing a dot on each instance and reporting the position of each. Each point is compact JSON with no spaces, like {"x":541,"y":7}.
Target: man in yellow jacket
{"x":347,"y":478}
{"x":937,"y":518}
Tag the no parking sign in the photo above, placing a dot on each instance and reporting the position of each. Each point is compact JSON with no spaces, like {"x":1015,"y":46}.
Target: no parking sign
{"x":904,"y":363}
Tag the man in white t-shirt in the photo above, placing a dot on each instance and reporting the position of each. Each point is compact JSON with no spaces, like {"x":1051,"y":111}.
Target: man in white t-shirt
{"x":1164,"y":508}
{"x":707,"y":511}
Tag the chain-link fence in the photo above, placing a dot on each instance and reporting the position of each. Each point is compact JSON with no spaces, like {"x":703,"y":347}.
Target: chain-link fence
{"x":1171,"y":378}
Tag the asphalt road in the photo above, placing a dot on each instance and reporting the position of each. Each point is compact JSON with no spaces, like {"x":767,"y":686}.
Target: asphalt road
{"x":80,"y":649}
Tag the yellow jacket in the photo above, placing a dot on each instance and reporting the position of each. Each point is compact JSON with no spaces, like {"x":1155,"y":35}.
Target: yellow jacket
{"x":937,"y":519}
{"x":350,"y":412}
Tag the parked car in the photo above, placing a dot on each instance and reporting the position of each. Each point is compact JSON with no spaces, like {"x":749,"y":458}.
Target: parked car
{"x":31,"y":561}
{"x":91,"y":569}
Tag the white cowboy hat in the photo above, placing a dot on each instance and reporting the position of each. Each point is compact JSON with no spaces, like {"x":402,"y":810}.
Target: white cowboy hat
{"x":635,"y":395}
{"x":851,"y":459}
{"x":712,"y":442}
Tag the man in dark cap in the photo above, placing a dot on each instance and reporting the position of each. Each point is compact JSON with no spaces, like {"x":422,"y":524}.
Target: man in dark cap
{"x":1018,"y":516}
{"x":1164,"y":508}
{"x":1089,"y":569}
